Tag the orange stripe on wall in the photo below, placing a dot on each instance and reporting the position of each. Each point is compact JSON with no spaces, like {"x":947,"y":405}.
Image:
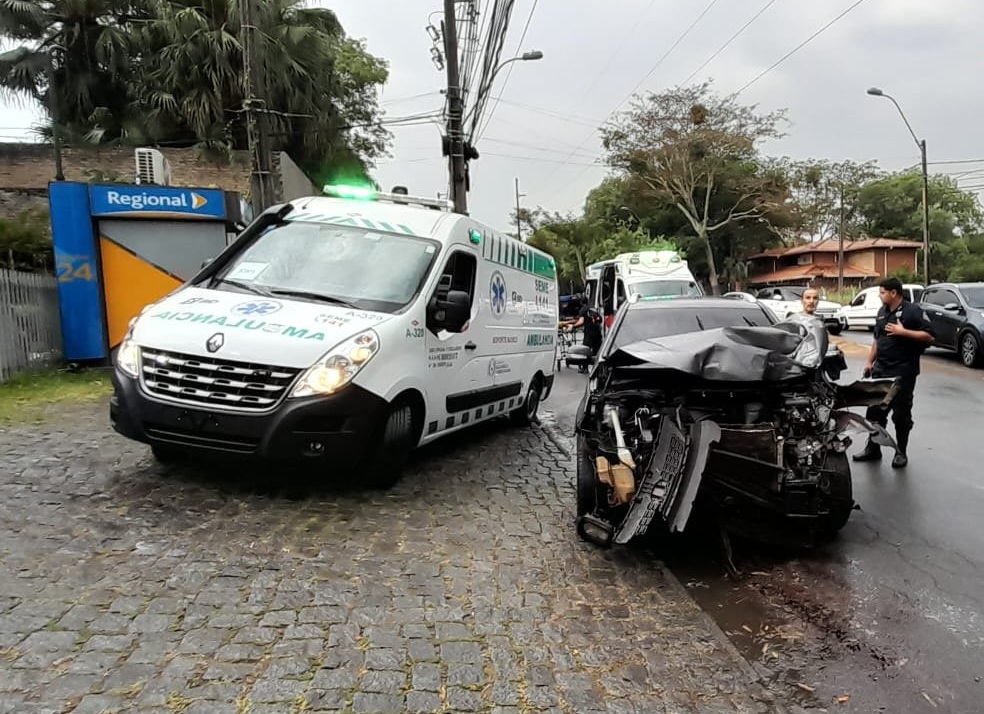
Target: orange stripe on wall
{"x":130,"y":284}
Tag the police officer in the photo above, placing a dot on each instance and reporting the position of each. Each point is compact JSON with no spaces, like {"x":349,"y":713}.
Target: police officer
{"x":902,"y":334}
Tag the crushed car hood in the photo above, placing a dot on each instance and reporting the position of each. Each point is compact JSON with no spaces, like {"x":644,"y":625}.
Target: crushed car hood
{"x":730,"y":354}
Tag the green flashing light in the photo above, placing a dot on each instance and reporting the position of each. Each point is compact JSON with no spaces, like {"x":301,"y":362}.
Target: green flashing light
{"x":474,"y":236}
{"x":359,"y":193}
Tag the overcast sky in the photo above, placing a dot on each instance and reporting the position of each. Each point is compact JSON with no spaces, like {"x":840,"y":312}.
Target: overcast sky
{"x":544,"y":131}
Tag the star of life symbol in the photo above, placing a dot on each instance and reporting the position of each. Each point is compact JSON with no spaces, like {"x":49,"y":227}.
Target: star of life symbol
{"x":256,"y":307}
{"x":498,"y":294}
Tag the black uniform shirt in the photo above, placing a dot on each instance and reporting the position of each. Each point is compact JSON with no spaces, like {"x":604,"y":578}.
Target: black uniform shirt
{"x":592,"y":331}
{"x":899,"y":356}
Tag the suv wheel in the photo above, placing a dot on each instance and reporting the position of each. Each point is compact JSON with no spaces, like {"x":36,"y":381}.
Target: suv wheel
{"x":970,"y":350}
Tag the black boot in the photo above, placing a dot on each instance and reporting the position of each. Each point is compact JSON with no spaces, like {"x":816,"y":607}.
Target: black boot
{"x":872,"y":452}
{"x":901,"y":456}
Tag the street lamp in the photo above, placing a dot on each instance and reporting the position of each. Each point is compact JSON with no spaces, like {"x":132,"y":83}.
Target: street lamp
{"x":530,"y":56}
{"x":921,"y":143}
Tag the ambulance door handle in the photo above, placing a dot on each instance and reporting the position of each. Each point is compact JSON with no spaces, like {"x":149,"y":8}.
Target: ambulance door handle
{"x":470,"y":345}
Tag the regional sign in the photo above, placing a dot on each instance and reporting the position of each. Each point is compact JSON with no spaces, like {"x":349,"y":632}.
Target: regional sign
{"x":156,"y":202}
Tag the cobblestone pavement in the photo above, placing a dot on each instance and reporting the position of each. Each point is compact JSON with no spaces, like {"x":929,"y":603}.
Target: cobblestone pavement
{"x":128,"y":587}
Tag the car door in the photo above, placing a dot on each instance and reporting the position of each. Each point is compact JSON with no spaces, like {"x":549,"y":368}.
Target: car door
{"x":457,"y":363}
{"x":946,"y":323}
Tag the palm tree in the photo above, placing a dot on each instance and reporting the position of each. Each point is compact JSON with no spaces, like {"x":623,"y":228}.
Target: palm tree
{"x":318,"y":81}
{"x":72,"y":57}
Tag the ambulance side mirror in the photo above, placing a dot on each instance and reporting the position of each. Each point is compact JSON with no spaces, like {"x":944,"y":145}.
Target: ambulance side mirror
{"x":451,"y":311}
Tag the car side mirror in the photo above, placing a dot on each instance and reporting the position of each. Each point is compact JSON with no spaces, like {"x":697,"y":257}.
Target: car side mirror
{"x":451,"y":311}
{"x":952,"y":307}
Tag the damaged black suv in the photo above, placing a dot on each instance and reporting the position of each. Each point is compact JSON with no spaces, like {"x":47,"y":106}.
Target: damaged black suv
{"x":709,"y":401}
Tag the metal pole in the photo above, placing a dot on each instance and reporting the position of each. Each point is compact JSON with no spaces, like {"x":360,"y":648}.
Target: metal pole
{"x":55,"y":118}
{"x":256,"y":116}
{"x":456,"y":138}
{"x":925,"y":199}
{"x":840,"y":245}
{"x":519,"y":225}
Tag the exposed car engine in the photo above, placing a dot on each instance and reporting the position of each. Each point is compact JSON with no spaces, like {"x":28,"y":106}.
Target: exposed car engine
{"x":655,"y":441}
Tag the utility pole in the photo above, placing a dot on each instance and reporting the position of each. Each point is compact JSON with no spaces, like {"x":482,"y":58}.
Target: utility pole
{"x":925,"y":198}
{"x":840,"y":246}
{"x":254,"y":101}
{"x":456,"y":110}
{"x":519,"y":224}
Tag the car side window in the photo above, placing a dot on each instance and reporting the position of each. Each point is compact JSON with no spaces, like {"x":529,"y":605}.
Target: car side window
{"x":620,"y":291}
{"x":859,"y":300}
{"x":933,"y":297}
{"x":948,"y":296}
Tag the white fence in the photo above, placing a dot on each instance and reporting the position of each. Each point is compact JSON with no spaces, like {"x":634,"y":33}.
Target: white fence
{"x":30,"y":331}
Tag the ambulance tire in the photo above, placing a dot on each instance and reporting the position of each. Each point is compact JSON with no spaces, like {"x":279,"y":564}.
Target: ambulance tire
{"x":526,"y":414}
{"x":391,"y":451}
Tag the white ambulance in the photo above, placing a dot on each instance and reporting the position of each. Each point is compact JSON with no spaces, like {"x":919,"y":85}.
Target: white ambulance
{"x":344,"y":329}
{"x":646,"y":273}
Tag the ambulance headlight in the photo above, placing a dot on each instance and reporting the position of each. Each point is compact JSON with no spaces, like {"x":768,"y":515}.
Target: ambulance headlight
{"x":339,"y":366}
{"x":128,"y":357}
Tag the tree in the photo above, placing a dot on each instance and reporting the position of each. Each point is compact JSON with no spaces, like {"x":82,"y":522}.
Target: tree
{"x":75,"y":57}
{"x":823,"y":197}
{"x":687,"y":142}
{"x":892,"y":208}
{"x":171,"y":72}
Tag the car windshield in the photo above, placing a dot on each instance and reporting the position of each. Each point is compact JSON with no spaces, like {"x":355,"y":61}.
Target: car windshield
{"x":320,"y":261}
{"x":649,"y":323}
{"x":660,"y":288}
{"x":974,"y":297}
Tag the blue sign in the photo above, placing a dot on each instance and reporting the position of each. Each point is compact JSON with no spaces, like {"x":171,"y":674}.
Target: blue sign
{"x":497,"y":294}
{"x":157,"y":202}
{"x":77,"y":267}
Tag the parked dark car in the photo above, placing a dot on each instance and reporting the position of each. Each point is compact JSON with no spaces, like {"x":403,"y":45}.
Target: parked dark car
{"x":710,"y":400}
{"x":957,"y":313}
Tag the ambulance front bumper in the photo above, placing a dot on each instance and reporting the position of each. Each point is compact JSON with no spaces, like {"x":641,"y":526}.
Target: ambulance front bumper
{"x":338,"y":428}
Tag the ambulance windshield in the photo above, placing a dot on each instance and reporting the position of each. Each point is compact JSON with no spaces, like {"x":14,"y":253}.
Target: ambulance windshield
{"x":660,"y":288}
{"x":366,"y":269}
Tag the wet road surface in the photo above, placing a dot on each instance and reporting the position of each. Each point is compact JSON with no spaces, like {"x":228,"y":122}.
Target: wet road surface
{"x":890,"y":616}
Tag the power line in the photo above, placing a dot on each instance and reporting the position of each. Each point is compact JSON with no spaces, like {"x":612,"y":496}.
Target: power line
{"x":727,"y":44}
{"x":798,"y":47}
{"x":519,"y":48}
{"x":662,"y":59}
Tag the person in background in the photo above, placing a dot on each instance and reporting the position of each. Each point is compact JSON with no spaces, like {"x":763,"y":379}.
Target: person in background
{"x":810,"y":300}
{"x":902,"y":334}
{"x":590,"y":321}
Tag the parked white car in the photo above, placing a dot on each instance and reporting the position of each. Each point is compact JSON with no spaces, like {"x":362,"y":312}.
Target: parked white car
{"x":863,"y":308}
{"x":787,"y":301}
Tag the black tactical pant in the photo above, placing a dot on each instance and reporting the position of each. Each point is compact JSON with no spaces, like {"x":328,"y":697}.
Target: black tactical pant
{"x":900,"y":407}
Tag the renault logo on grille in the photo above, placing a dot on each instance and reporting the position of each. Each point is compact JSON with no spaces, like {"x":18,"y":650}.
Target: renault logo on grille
{"x":215,"y":342}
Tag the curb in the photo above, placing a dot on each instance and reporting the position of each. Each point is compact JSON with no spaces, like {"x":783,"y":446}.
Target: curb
{"x":750,"y":673}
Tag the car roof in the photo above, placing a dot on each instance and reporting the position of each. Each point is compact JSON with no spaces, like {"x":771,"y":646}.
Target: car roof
{"x":692,"y":303}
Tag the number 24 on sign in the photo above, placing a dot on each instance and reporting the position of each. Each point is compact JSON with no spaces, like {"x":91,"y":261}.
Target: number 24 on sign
{"x":71,"y":270}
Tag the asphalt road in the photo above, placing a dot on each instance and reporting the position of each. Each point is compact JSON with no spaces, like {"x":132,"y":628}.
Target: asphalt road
{"x":889,"y":617}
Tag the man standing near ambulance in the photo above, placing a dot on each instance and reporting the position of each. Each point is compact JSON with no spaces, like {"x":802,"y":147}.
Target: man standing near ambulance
{"x":902,"y":334}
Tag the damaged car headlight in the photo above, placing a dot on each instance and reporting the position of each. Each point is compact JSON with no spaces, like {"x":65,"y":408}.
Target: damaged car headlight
{"x":339,"y":366}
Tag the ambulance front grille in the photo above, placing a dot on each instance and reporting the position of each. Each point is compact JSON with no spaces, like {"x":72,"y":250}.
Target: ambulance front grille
{"x":214,"y":383}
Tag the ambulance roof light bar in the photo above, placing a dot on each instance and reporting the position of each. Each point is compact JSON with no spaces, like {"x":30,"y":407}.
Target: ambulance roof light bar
{"x":365,"y":193}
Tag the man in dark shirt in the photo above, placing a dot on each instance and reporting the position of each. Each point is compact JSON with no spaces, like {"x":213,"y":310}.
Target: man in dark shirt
{"x":590,"y":320}
{"x":902,"y":334}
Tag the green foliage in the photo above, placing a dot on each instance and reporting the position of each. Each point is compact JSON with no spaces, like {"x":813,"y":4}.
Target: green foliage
{"x":26,"y":398}
{"x":698,"y":152}
{"x":906,"y":274}
{"x":171,"y":72}
{"x":25,"y":240}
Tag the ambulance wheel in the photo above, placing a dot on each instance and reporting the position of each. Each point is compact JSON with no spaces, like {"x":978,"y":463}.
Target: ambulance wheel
{"x":526,"y":414}
{"x":392,"y":448}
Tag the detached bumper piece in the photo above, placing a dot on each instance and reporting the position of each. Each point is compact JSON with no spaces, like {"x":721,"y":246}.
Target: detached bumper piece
{"x":670,"y":484}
